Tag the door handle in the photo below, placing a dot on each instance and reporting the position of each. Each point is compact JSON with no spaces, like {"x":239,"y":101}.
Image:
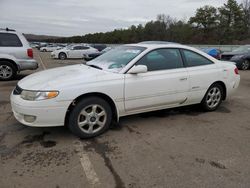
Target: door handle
{"x":183,"y":79}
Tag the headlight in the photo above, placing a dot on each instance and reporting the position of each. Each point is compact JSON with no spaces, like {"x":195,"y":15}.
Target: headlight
{"x":38,"y":95}
{"x":237,"y":57}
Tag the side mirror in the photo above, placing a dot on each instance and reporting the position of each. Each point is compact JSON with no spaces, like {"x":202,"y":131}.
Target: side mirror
{"x":136,"y":69}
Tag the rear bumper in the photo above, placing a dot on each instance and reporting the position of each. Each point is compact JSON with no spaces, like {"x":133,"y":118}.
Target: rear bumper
{"x":29,"y":64}
{"x":233,"y":85}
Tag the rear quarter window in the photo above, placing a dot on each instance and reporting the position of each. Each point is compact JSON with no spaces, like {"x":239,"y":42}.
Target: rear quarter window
{"x":194,"y":59}
{"x":9,"y":40}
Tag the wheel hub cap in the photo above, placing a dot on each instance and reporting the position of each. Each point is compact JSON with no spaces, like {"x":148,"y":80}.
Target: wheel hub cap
{"x":213,"y":97}
{"x":92,"y":119}
{"x":5,"y":71}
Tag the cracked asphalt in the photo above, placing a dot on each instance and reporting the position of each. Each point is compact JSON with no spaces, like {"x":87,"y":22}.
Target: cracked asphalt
{"x":182,"y":147}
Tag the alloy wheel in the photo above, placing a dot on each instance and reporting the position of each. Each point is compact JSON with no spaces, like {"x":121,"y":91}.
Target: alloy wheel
{"x":245,"y":65}
{"x":5,"y":71}
{"x":213,"y":97}
{"x":92,"y":119}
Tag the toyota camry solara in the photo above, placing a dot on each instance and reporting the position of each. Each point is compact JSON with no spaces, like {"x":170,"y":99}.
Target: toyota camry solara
{"x":129,"y":79}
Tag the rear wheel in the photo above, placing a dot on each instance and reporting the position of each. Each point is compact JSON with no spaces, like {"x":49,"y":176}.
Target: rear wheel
{"x":90,"y":117}
{"x":245,"y":65}
{"x":213,"y":98}
{"x":44,"y":50}
{"x":7,"y":70}
{"x":62,"y":56}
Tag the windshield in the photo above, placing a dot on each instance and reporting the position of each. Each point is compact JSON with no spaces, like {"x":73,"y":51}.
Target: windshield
{"x":242,"y":49}
{"x":117,"y":58}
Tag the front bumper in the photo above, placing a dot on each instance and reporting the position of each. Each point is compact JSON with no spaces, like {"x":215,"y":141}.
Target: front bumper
{"x":47,"y":113}
{"x":29,"y":64}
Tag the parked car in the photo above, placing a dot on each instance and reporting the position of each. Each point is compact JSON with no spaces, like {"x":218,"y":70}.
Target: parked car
{"x":15,"y":54}
{"x":241,"y":56}
{"x":75,"y":51}
{"x":33,"y":45}
{"x":51,"y":48}
{"x":127,"y":80}
{"x":99,"y":47}
{"x":42,"y":44}
{"x":91,"y":56}
{"x":214,"y":52}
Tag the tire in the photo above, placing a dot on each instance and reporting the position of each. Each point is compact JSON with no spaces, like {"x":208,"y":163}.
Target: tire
{"x":62,"y":56}
{"x":94,"y":114}
{"x":213,"y":98}
{"x":44,"y":50}
{"x":245,"y":65}
{"x":7,"y":70}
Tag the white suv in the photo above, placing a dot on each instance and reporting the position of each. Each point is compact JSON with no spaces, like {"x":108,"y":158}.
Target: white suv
{"x":15,"y":54}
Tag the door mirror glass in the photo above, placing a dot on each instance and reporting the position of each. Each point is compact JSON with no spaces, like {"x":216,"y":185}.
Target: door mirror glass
{"x":138,"y":69}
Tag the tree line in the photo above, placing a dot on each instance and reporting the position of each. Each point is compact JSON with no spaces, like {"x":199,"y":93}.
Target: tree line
{"x":228,"y":24}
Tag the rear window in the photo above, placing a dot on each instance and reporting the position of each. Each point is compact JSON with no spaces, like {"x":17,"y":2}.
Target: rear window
{"x":9,"y":40}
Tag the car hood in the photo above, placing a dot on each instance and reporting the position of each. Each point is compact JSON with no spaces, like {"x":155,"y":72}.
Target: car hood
{"x":58,"y":78}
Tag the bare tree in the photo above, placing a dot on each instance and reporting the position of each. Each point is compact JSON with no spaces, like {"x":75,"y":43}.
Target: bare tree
{"x":246,"y":9}
{"x":166,"y":19}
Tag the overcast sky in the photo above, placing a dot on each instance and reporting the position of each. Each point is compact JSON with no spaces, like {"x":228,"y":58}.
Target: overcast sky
{"x":78,"y":17}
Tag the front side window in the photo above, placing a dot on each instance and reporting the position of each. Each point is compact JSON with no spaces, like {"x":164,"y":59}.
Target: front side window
{"x":77,"y":48}
{"x":9,"y":40}
{"x":116,"y":59}
{"x":162,"y":59}
{"x":84,"y":47}
{"x":193,"y":59}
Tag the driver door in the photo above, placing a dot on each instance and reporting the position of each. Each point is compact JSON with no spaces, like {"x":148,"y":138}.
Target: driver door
{"x":75,"y":52}
{"x":164,"y":84}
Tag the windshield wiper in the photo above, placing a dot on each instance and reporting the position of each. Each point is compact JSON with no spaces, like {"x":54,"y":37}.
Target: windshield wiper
{"x":95,"y":66}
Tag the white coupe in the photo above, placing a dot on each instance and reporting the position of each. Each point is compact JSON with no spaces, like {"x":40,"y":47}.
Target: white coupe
{"x":73,"y":51}
{"x":50,"y":48}
{"x":129,"y":79}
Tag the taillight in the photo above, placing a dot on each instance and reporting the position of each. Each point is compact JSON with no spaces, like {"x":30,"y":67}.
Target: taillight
{"x":236,"y":70}
{"x":30,"y":53}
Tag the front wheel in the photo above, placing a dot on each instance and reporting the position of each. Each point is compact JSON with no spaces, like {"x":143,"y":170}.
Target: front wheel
{"x":90,"y":117}
{"x":213,"y":98}
{"x":62,"y":56}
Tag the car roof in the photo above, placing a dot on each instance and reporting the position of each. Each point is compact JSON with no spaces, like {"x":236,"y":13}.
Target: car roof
{"x":165,"y":45}
{"x":156,"y":42}
{"x":170,"y":45}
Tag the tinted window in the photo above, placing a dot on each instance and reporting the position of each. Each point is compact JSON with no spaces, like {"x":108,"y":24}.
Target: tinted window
{"x":9,"y":40}
{"x":117,"y":58}
{"x":77,"y":47}
{"x":84,"y":47}
{"x":162,"y":59}
{"x":194,"y":59}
